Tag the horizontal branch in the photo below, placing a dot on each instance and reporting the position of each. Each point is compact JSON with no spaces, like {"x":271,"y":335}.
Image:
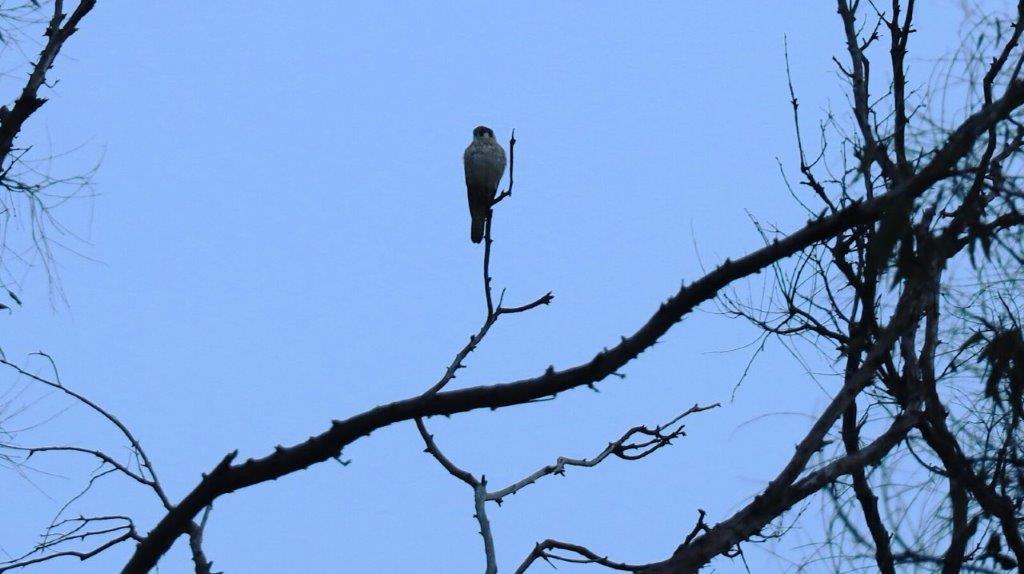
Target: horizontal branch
{"x":81,"y":555}
{"x":543,"y":551}
{"x":106,"y":458}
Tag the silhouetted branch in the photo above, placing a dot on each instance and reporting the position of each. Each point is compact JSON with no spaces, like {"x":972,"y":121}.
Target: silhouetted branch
{"x":57,"y":32}
{"x":511,"y":170}
{"x":203,"y":565}
{"x":658,"y":437}
{"x":543,"y":551}
{"x":228,"y":477}
{"x":146,"y":477}
{"x":774,"y":500}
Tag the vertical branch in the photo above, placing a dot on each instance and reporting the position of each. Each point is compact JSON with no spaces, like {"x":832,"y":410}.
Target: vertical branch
{"x":487,"y":265}
{"x":511,"y":170}
{"x":867,"y":499}
{"x":480,"y":496}
{"x":899,"y":35}
{"x":957,"y":464}
{"x":195,"y":543}
{"x":480,"y":504}
{"x":809,"y":178}
{"x":511,"y":162}
{"x":974,"y":203}
{"x":859,"y":75}
{"x":490,"y":218}
{"x":479,"y":493}
{"x":962,"y":529}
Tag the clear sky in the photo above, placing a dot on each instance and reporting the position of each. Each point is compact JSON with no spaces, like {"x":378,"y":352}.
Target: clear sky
{"x":280,"y":237}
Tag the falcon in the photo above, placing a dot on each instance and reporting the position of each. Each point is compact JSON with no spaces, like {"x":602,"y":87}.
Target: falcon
{"x":484,"y":160}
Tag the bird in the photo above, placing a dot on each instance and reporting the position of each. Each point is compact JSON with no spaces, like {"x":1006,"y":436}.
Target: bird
{"x":484,"y":160}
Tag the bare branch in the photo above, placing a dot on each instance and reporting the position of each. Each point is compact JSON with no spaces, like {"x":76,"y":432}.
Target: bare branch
{"x":543,"y":551}
{"x":659,"y":437}
{"x":57,"y":33}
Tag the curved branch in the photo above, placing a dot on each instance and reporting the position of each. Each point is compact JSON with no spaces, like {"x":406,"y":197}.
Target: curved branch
{"x":543,"y":551}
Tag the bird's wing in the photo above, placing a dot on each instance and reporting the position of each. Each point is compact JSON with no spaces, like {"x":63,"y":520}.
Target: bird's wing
{"x":481,"y":164}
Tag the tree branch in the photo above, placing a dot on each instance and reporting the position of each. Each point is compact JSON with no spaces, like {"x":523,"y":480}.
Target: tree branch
{"x":227,"y":477}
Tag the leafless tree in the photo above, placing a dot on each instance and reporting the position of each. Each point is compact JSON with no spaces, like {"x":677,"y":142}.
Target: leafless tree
{"x":953,"y":255}
{"x":904,"y":280}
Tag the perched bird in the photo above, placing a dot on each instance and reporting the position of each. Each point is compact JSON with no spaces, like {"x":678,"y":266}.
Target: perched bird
{"x":484,"y":160}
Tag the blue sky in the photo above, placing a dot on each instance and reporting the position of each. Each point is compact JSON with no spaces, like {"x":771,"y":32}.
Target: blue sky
{"x":280,"y":238}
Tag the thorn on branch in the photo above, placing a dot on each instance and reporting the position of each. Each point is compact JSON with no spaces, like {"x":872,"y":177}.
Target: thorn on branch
{"x":697,"y":528}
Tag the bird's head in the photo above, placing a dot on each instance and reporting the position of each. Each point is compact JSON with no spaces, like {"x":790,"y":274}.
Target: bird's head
{"x":483,"y":132}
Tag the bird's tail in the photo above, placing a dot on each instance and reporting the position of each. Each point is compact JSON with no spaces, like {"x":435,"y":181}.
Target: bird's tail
{"x":477,"y":230}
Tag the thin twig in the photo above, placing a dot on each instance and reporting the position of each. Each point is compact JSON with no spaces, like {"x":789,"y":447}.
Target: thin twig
{"x":660,"y":436}
{"x":542,"y":551}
